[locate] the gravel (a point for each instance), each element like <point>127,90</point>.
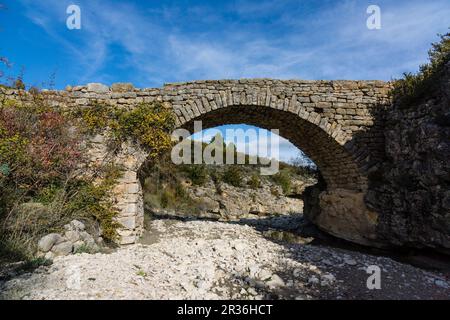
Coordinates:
<point>215,260</point>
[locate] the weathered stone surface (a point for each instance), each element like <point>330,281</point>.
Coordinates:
<point>412,190</point>
<point>72,236</point>
<point>97,88</point>
<point>75,225</point>
<point>122,87</point>
<point>48,241</point>
<point>343,213</point>
<point>62,249</point>
<point>128,222</point>
<point>78,245</point>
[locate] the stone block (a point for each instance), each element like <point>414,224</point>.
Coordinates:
<point>97,87</point>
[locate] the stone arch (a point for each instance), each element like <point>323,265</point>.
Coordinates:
<point>330,120</point>
<point>334,122</point>
<point>337,165</point>
<point>340,209</point>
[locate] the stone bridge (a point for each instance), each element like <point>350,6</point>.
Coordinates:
<point>336,123</point>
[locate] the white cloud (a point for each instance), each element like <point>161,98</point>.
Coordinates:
<point>160,46</point>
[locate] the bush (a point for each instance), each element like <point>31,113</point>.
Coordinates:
<point>197,173</point>
<point>149,124</point>
<point>413,87</point>
<point>233,176</point>
<point>283,179</point>
<point>166,199</point>
<point>42,167</point>
<point>254,182</point>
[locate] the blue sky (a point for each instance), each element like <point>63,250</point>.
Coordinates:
<point>150,43</point>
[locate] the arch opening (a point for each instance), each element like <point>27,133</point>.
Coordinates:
<point>338,168</point>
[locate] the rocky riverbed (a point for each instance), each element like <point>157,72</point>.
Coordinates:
<point>217,260</point>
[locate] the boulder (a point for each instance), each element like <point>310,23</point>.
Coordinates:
<point>72,236</point>
<point>47,242</point>
<point>75,225</point>
<point>89,240</point>
<point>62,249</point>
<point>49,255</point>
<point>275,281</point>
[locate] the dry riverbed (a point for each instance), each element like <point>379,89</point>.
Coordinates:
<point>216,260</point>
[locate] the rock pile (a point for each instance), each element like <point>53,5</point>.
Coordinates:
<point>74,240</point>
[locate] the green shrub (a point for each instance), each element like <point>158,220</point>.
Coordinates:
<point>42,165</point>
<point>84,248</point>
<point>167,198</point>
<point>91,200</point>
<point>283,179</point>
<point>149,124</point>
<point>197,173</point>
<point>233,176</point>
<point>254,182</point>
<point>412,87</point>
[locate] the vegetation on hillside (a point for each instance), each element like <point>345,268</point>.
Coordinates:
<point>414,86</point>
<point>166,183</point>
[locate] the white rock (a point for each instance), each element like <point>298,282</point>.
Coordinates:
<point>47,242</point>
<point>72,236</point>
<point>87,238</point>
<point>254,271</point>
<point>122,87</point>
<point>275,281</point>
<point>77,225</point>
<point>49,255</point>
<point>77,245</point>
<point>252,291</point>
<point>329,277</point>
<point>97,88</point>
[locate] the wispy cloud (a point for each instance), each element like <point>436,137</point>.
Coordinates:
<point>275,39</point>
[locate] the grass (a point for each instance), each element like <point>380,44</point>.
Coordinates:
<point>84,248</point>
<point>141,273</point>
